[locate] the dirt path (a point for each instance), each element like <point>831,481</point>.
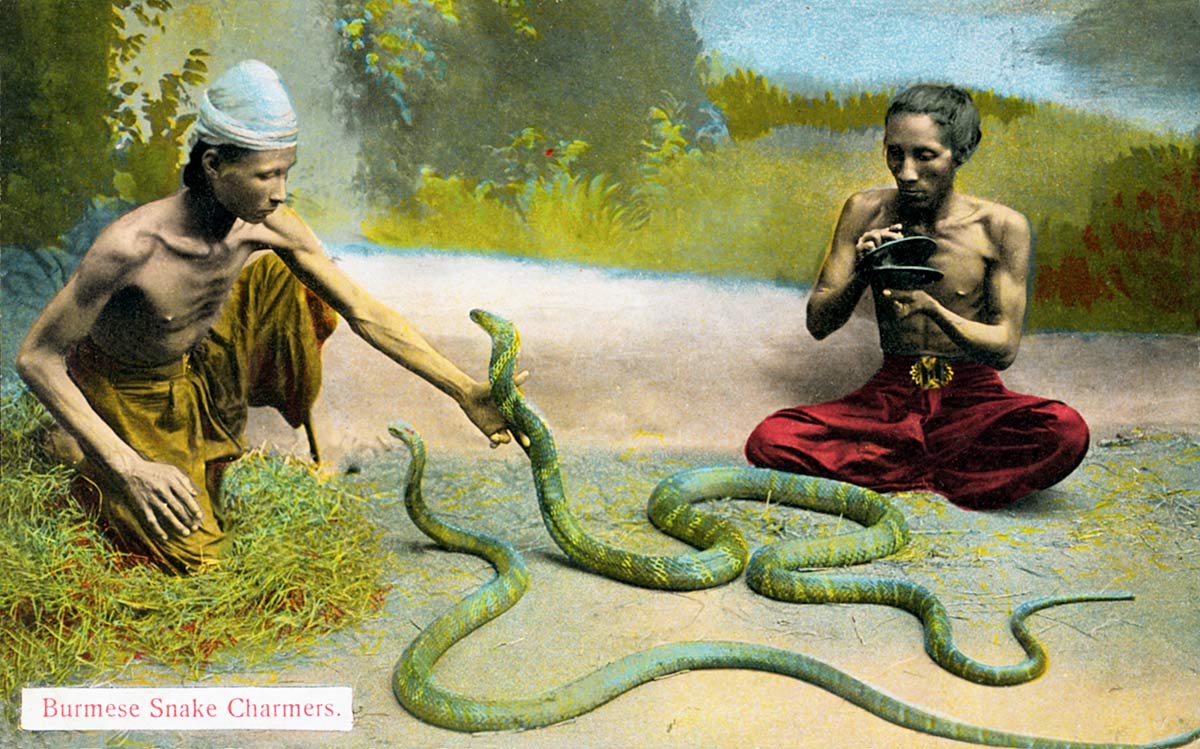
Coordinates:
<point>687,364</point>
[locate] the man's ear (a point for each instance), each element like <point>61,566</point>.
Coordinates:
<point>211,161</point>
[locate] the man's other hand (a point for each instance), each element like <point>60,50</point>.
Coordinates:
<point>165,496</point>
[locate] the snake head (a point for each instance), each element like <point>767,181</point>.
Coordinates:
<point>501,330</point>
<point>489,321</point>
<point>506,343</point>
<point>409,436</point>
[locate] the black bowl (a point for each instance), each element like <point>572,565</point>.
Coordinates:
<point>903,276</point>
<point>906,252</point>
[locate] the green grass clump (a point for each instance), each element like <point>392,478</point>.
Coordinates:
<point>760,210</point>
<point>306,560</point>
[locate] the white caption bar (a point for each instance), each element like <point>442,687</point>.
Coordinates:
<point>187,708</point>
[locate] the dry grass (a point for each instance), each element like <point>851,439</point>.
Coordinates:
<point>306,560</point>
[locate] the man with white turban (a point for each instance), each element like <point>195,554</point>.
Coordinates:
<point>173,324</point>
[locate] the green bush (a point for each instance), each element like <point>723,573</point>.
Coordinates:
<point>55,100</point>
<point>452,213</point>
<point>445,88</point>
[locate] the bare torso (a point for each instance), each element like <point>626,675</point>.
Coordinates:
<point>153,284</point>
<point>969,247</point>
<point>171,300</point>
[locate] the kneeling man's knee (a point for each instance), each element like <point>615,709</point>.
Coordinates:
<point>1073,433</point>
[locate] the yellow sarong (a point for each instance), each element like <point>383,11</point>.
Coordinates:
<point>264,351</point>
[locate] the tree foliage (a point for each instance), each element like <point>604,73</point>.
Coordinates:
<point>449,86</point>
<point>71,129</point>
<point>149,137</point>
<point>55,102</point>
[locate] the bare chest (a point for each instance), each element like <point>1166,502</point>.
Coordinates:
<point>966,254</point>
<point>965,263</point>
<point>169,304</point>
<point>178,288</point>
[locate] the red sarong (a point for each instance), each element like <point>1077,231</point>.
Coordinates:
<point>974,441</point>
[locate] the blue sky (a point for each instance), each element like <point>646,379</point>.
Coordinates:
<point>853,44</point>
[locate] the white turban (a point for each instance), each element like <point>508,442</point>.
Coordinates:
<point>248,106</point>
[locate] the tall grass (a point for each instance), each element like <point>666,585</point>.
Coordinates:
<point>452,213</point>
<point>761,210</point>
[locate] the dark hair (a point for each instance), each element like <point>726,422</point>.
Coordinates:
<point>950,107</point>
<point>193,170</point>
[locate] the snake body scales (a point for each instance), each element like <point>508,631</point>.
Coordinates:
<point>777,571</point>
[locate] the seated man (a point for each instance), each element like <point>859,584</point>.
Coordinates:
<point>169,330</point>
<point>936,416</point>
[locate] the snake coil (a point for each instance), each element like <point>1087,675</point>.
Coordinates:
<point>777,571</point>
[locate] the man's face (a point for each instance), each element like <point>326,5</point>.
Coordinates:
<point>922,165</point>
<point>253,186</point>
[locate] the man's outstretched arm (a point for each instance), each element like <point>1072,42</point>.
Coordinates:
<point>382,327</point>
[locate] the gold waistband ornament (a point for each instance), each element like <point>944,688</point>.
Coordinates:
<point>931,372</point>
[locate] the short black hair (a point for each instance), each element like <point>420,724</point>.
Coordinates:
<point>950,107</point>
<point>193,170</point>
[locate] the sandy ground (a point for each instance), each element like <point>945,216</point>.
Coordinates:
<point>639,375</point>
<point>689,364</point>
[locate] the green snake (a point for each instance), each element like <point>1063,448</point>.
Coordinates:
<point>777,571</point>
